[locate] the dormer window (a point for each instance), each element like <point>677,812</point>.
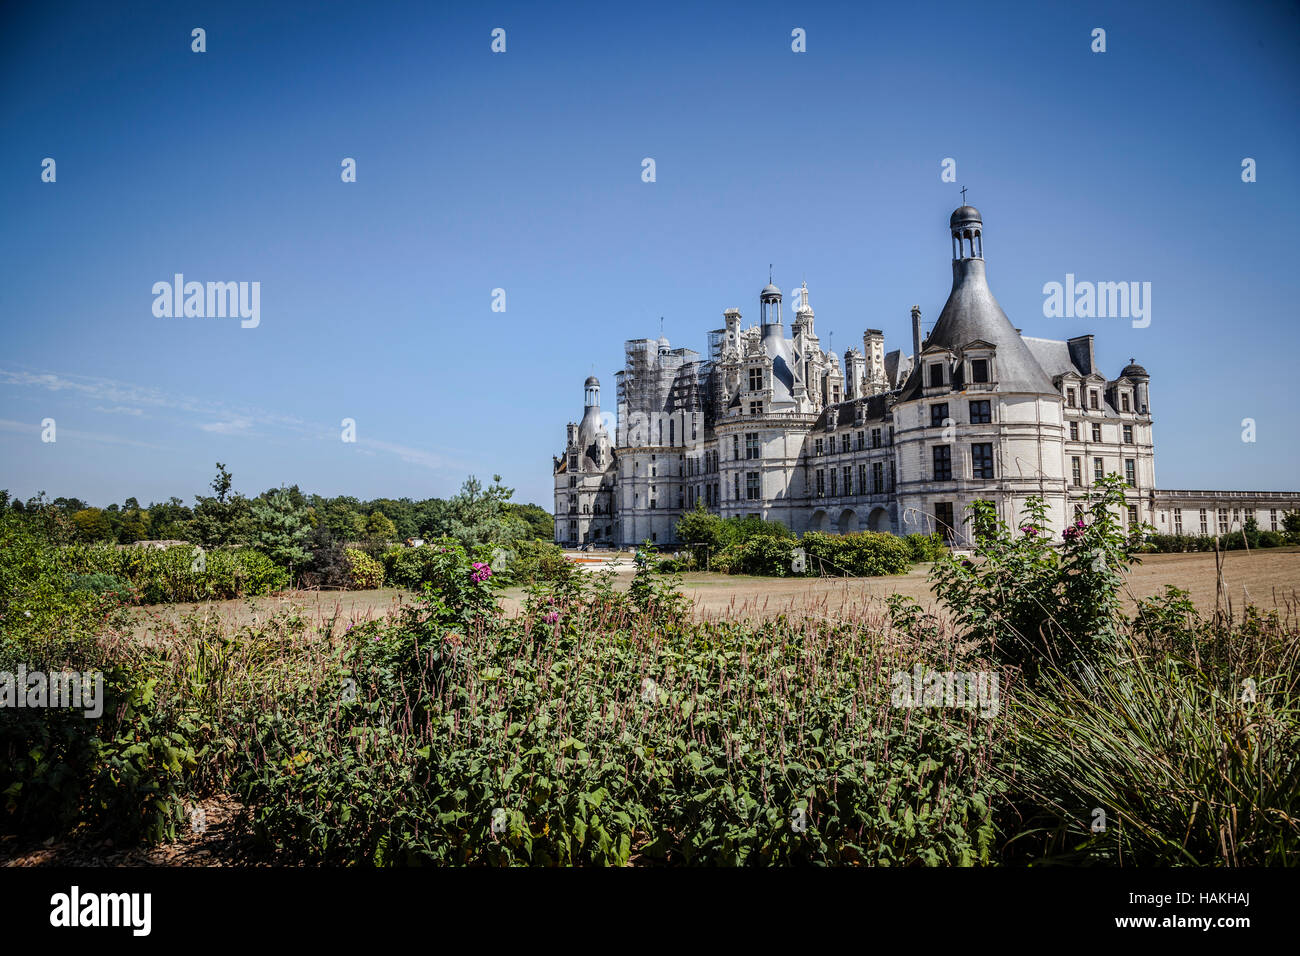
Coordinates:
<point>936,374</point>
<point>755,379</point>
<point>1071,399</point>
<point>979,370</point>
<point>1123,401</point>
<point>1094,401</point>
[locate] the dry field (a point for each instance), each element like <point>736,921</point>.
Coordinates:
<point>1267,578</point>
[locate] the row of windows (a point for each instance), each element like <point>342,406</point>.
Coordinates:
<point>1099,471</point>
<point>981,458</point>
<point>1223,525</point>
<point>981,413</point>
<point>827,446</point>
<point>1094,400</point>
<point>841,480</point>
<point>979,373</point>
<point>1096,432</point>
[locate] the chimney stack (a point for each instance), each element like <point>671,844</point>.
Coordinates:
<point>916,334</point>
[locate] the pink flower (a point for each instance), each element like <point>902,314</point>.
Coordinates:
<point>481,572</point>
<point>552,617</point>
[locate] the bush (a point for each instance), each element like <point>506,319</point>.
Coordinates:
<point>1271,539</point>
<point>533,562</point>
<point>764,554</point>
<point>926,547</point>
<point>860,554</point>
<point>100,583</point>
<point>364,572</point>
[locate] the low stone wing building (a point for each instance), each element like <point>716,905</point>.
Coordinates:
<point>773,425</point>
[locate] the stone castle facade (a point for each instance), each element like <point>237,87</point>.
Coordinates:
<point>773,425</point>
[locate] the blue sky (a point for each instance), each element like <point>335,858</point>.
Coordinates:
<point>522,171</point>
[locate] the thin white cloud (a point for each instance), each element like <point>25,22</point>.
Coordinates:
<point>63,434</point>
<point>238,426</point>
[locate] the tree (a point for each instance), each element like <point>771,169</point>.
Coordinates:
<point>379,528</point>
<point>478,517</point>
<point>1291,525</point>
<point>281,529</point>
<point>223,519</point>
<point>92,525</point>
<point>701,531</point>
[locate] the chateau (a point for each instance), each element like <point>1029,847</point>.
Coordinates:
<point>770,424</point>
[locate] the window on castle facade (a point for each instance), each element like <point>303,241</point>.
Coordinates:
<point>834,483</point>
<point>937,414</point>
<point>981,413</point>
<point>1076,471</point>
<point>1128,434</point>
<point>979,370</point>
<point>1071,400</point>
<point>942,457</point>
<point>1223,521</point>
<point>821,482</point>
<point>755,379</point>
<point>1096,432</point>
<point>1204,525</point>
<point>943,519</point>
<point>736,489</point>
<point>1130,472</point>
<point>818,446</point>
<point>1272,519</point>
<point>672,431</point>
<point>735,447</point>
<point>1078,512</point>
<point>936,375</point>
<point>1178,521</point>
<point>756,408</point>
<point>862,479</point>
<point>1132,517</point>
<point>862,441</point>
<point>751,485</point>
<point>878,478</point>
<point>752,448</point>
<point>1123,401</point>
<point>875,438</point>
<point>981,458</point>
<point>1074,431</point>
<point>1098,469</point>
<point>844,442</point>
<point>1093,399</point>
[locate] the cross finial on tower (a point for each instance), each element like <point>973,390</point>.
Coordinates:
<point>963,195</point>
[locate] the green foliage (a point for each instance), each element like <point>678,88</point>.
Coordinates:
<point>364,572</point>
<point>178,573</point>
<point>281,528</point>
<point>862,553</point>
<point>926,547</point>
<point>1029,602</point>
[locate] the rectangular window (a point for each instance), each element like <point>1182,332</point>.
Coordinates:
<point>752,448</point>
<point>1093,399</point>
<point>1132,518</point>
<point>1204,526</point>
<point>1128,434</point>
<point>981,457</point>
<point>1272,519</point>
<point>1130,472</point>
<point>1123,401</point>
<point>981,413</point>
<point>942,462</point>
<point>936,375</point>
<point>821,482</point>
<point>862,440</point>
<point>848,479</point>
<point>943,519</point>
<point>1098,470</point>
<point>834,483</point>
<point>878,478</point>
<point>1096,432</point>
<point>979,370</point>
<point>756,408</point>
<point>862,479</point>
<point>1223,521</point>
<point>937,414</point>
<point>755,379</point>
<point>1076,471</point>
<point>1074,431</point>
<point>1178,521</point>
<point>735,447</point>
<point>1070,400</point>
<point>751,485</point>
<point>844,442</point>
<point>818,446</point>
<point>875,438</point>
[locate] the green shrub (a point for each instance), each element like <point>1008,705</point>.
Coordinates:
<point>862,553</point>
<point>926,547</point>
<point>763,554</point>
<point>364,572</point>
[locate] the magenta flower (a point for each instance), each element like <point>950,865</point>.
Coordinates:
<point>552,617</point>
<point>481,572</point>
<point>1029,530</point>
